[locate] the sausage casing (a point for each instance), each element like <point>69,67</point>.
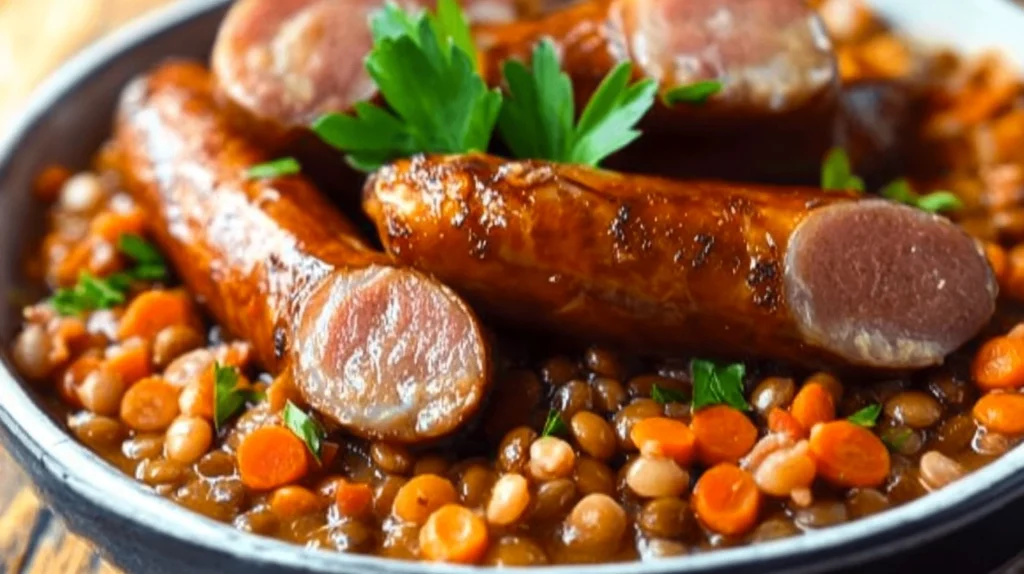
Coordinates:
<point>383,350</point>
<point>671,267</point>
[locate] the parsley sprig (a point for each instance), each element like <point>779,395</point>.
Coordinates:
<point>228,397</point>
<point>867,416</point>
<point>836,173</point>
<point>91,293</point>
<point>715,384</point>
<point>536,119</point>
<point>274,168</point>
<point>696,93</point>
<point>424,68</point>
<point>305,427</point>
<point>901,191</point>
<point>554,424</point>
<point>665,395</point>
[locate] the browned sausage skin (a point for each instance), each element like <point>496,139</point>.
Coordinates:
<point>385,351</point>
<point>671,267</point>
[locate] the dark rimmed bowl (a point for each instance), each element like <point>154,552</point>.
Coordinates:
<point>142,532</point>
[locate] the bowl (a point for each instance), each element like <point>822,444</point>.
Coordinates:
<point>140,531</point>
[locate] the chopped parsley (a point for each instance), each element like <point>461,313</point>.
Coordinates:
<point>228,398</point>
<point>896,438</point>
<point>424,69</point>
<point>554,424</point>
<point>836,173</point>
<point>536,118</point>
<point>867,416</point>
<point>305,427</point>
<point>696,93</point>
<point>718,384</point>
<point>901,191</point>
<point>276,168</point>
<point>665,395</point>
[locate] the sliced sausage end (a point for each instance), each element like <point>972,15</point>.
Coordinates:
<point>390,354</point>
<point>887,286</point>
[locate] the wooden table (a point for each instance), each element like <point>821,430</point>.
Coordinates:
<point>35,37</point>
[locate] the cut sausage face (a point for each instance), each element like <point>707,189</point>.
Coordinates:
<point>882,284</point>
<point>392,352</point>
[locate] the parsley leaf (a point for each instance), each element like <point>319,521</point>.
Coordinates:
<point>896,438</point>
<point>901,191</point>
<point>437,101</point>
<point>665,395</point>
<point>149,264</point>
<point>276,168</point>
<point>836,173</point>
<point>695,94</point>
<point>305,427</point>
<point>536,118</point>
<point>228,399</point>
<point>91,293</point>
<point>867,416</point>
<point>718,384</point>
<point>554,424</point>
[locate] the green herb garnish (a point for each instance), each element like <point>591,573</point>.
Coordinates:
<point>665,395</point>
<point>836,173</point>
<point>718,384</point>
<point>276,168</point>
<point>536,118</point>
<point>867,416</point>
<point>149,264</point>
<point>554,424</point>
<point>696,93</point>
<point>228,399</point>
<point>897,438</point>
<point>424,69</point>
<point>901,191</point>
<point>305,427</point>
<point>90,293</point>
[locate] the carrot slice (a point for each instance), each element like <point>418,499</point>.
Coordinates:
<point>997,260</point>
<point>849,455</point>
<point>726,499</point>
<point>813,405</point>
<point>421,496</point>
<point>662,436</point>
<point>780,421</point>
<point>151,311</point>
<point>150,405</point>
<point>1002,413</point>
<point>722,434</point>
<point>353,498</point>
<point>281,391</point>
<point>454,534</point>
<point>270,457</point>
<point>131,360</point>
<point>110,225</point>
<point>999,364</point>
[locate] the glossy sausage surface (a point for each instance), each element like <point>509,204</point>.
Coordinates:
<point>383,350</point>
<point>671,267</point>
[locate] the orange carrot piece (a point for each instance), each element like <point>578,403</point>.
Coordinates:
<point>997,259</point>
<point>291,502</point>
<point>722,434</point>
<point>726,499</point>
<point>151,311</point>
<point>353,498</point>
<point>454,534</point>
<point>110,225</point>
<point>328,452</point>
<point>813,405</point>
<point>1001,413</point>
<point>421,496</point>
<point>131,360</point>
<point>150,405</point>
<point>281,391</point>
<point>270,457</point>
<point>662,436</point>
<point>780,421</point>
<point>999,364</point>
<point>849,455</point>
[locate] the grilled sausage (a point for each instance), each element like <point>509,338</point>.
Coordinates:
<point>774,117</point>
<point>383,350</point>
<point>675,267</point>
<point>283,63</point>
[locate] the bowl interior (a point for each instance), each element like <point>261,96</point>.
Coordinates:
<point>68,120</point>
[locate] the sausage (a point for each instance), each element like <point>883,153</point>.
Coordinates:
<point>385,351</point>
<point>879,122</point>
<point>676,267</point>
<point>775,116</point>
<point>281,64</point>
